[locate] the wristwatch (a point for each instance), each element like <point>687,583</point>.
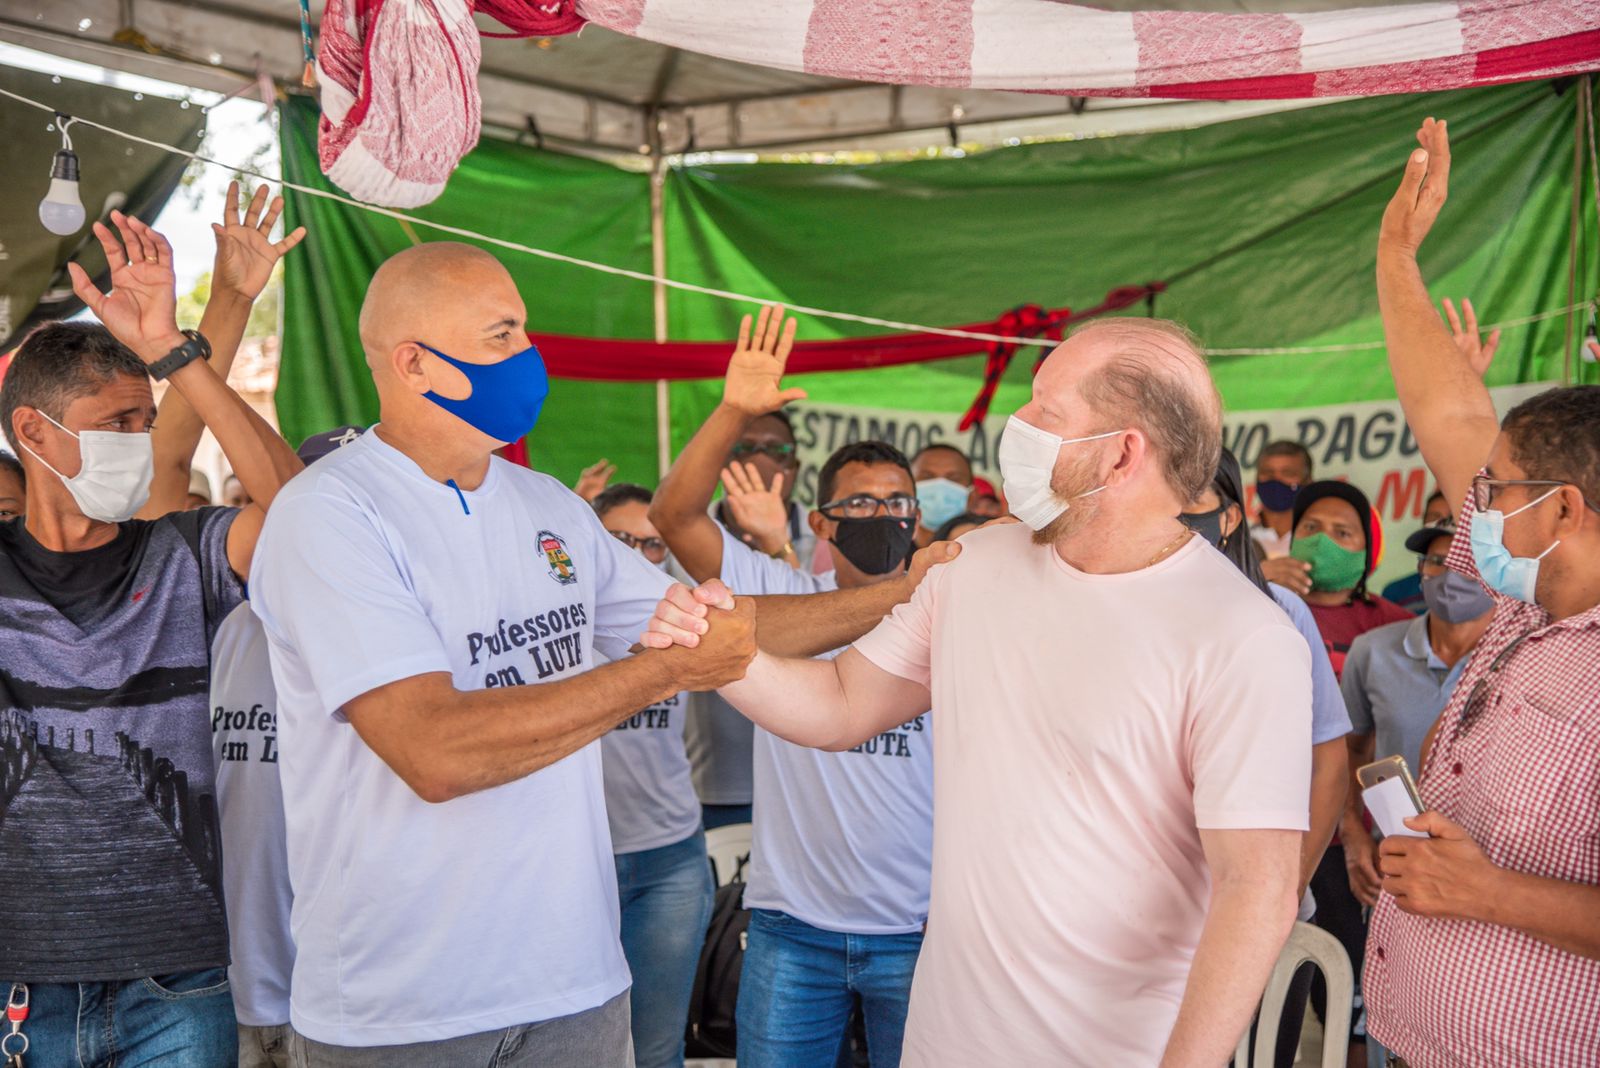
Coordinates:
<point>788,548</point>
<point>195,348</point>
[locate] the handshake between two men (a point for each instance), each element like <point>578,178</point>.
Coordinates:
<point>711,635</point>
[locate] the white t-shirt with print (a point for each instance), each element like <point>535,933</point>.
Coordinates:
<point>417,922</point>
<point>255,871</point>
<point>650,798</point>
<point>843,841</point>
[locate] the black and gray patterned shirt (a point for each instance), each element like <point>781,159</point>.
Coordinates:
<point>109,845</point>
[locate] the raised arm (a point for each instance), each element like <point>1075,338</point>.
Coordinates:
<point>140,312</point>
<point>752,388</point>
<point>1443,397</point>
<point>445,743</point>
<point>1253,877</point>
<point>245,258</point>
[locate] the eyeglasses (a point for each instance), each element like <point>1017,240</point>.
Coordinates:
<point>778,450</point>
<point>644,545</point>
<point>864,506</point>
<point>1436,559</point>
<point>1478,699</point>
<point>1483,488</point>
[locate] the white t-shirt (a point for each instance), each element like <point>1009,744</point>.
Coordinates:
<point>255,871</point>
<point>843,841</point>
<point>416,922</point>
<point>650,799</point>
<point>1270,542</point>
<point>1087,727</point>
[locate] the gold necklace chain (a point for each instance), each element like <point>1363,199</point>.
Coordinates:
<point>1183,536</point>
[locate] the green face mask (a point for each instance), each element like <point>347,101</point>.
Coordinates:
<point>1333,567</point>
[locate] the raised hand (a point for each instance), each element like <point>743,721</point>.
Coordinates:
<point>1478,352</point>
<point>141,309</point>
<point>760,511</point>
<point>753,385</point>
<point>1423,190</point>
<point>594,479</point>
<point>246,254</point>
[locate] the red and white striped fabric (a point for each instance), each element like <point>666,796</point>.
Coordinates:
<point>1057,47</point>
<point>400,103</point>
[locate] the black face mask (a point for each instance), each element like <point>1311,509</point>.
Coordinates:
<point>875,546</point>
<point>1206,524</point>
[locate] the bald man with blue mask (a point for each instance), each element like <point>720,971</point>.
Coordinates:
<point>450,637</point>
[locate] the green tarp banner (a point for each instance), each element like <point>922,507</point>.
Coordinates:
<point>1264,229</point>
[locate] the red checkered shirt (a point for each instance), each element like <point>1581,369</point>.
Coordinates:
<point>1523,780</point>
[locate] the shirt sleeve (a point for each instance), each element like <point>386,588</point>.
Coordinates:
<point>327,587</point>
<point>627,589</point>
<point>902,644</point>
<point>206,532</point>
<point>1329,719</point>
<point>752,573</point>
<point>1250,737</point>
<point>1354,685</point>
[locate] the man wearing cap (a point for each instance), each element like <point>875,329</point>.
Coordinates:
<point>255,867</point>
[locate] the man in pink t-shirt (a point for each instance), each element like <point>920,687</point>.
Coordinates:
<point>1122,752</point>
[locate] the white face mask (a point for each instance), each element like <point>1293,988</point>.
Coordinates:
<point>1027,462</point>
<point>114,481</point>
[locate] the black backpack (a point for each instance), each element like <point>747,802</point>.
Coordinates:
<point>712,1031</point>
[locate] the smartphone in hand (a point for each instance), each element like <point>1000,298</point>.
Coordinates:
<point>1390,794</point>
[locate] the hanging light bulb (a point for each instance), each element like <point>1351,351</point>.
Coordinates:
<point>61,210</point>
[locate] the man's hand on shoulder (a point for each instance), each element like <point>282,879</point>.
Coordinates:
<point>755,372</point>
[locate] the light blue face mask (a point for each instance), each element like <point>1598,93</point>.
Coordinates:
<point>941,500</point>
<point>1512,576</point>
<point>506,397</point>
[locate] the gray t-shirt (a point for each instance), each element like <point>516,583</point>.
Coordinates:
<point>1394,684</point>
<point>110,854</point>
<point>720,741</point>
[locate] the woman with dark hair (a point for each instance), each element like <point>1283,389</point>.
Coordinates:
<point>1218,516</point>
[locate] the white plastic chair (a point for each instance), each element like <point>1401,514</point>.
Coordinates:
<point>1306,944</point>
<point>728,847</point>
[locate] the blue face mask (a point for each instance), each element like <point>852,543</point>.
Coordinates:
<point>506,397</point>
<point>1512,576</point>
<point>941,500</point>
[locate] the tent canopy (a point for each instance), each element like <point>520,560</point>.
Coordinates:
<point>599,91</point>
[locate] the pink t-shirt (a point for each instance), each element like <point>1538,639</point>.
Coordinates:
<point>1085,727</point>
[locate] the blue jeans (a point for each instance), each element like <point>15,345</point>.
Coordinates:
<point>183,1020</point>
<point>666,903</point>
<point>800,983</point>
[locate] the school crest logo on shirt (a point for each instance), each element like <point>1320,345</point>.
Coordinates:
<point>555,552</point>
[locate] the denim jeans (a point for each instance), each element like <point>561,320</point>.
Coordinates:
<point>183,1020</point>
<point>666,903</point>
<point>800,983</point>
<point>264,1047</point>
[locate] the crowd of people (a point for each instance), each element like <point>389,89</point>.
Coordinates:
<point>405,755</point>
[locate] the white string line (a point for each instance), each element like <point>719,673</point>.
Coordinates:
<point>690,287</point>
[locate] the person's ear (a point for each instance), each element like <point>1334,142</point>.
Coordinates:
<point>821,526</point>
<point>1131,449</point>
<point>1570,511</point>
<point>421,372</point>
<point>1231,519</point>
<point>29,427</point>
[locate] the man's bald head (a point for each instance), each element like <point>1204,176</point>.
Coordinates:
<point>1149,375</point>
<point>419,292</point>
